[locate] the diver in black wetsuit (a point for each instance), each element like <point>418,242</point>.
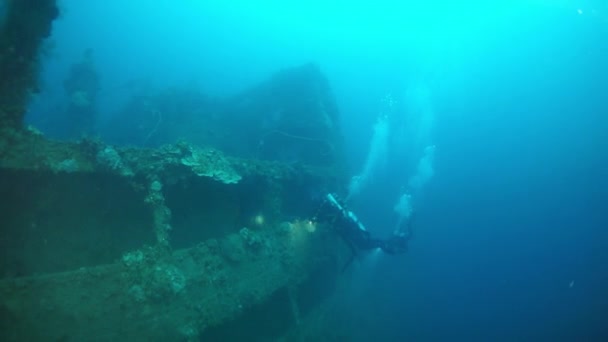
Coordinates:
<point>354,233</point>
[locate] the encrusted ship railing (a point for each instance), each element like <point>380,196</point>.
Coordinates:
<point>107,243</point>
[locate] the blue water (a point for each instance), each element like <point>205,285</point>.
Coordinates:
<point>512,226</point>
<point>3,10</point>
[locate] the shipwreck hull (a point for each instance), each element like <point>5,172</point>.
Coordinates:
<point>201,232</point>
<point>156,245</point>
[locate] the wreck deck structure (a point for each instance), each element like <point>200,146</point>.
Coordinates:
<point>206,237</point>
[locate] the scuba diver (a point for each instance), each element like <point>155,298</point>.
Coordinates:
<point>352,231</point>
<point>82,86</point>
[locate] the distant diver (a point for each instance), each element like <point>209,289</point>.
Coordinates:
<point>82,86</point>
<point>353,232</point>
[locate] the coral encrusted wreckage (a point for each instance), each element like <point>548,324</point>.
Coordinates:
<point>179,241</point>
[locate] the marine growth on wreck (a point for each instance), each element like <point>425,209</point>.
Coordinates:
<point>190,219</point>
<point>300,171</point>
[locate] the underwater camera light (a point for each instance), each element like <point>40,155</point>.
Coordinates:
<point>259,220</point>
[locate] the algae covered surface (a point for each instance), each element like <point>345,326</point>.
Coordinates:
<point>164,235</point>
